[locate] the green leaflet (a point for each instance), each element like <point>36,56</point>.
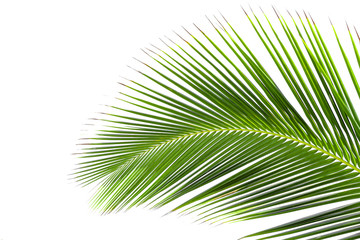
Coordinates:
<point>220,114</point>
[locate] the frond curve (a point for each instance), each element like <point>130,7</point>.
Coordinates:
<point>211,115</point>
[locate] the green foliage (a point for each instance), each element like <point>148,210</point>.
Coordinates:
<point>218,121</point>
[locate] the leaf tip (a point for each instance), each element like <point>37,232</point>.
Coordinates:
<point>330,21</point>
<point>223,17</point>
<point>357,34</point>
<point>289,13</point>
<point>244,10</point>
<point>275,11</point>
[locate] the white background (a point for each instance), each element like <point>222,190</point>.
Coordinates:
<point>59,60</point>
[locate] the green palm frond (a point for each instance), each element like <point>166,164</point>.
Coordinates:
<point>211,117</point>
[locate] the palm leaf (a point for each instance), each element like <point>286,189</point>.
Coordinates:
<point>211,117</point>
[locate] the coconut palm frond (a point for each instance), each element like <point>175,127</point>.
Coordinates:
<point>333,223</point>
<point>210,116</point>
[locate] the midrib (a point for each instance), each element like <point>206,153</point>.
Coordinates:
<point>268,133</point>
